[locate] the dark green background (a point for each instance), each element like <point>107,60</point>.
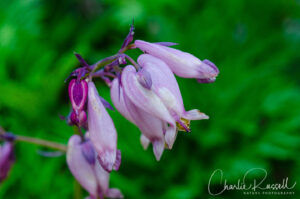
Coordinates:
<point>254,106</point>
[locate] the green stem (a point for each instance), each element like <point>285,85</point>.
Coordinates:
<point>37,141</point>
<point>42,142</point>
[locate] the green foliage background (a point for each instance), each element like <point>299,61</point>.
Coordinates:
<point>254,106</point>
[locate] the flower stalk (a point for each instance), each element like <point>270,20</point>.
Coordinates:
<point>37,141</point>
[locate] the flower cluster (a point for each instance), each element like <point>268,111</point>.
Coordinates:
<point>145,92</point>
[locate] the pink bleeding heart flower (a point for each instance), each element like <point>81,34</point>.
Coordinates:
<point>181,63</point>
<point>81,159</point>
<point>7,159</point>
<point>78,90</point>
<point>102,131</point>
<point>166,87</point>
<point>162,100</point>
<point>148,101</point>
<point>152,128</point>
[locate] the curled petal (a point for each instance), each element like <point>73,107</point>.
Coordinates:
<point>101,129</point>
<point>195,114</point>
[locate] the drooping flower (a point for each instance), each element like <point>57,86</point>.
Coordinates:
<point>181,63</point>
<point>152,128</point>
<point>148,101</point>
<point>81,159</point>
<point>102,131</point>
<point>151,99</point>
<point>7,158</point>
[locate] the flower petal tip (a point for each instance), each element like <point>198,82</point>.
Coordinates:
<point>114,193</point>
<point>158,148</point>
<point>106,161</point>
<point>144,141</point>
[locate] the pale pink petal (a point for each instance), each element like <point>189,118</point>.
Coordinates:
<point>195,114</point>
<point>117,98</point>
<point>144,141</point>
<point>80,168</point>
<point>143,98</point>
<point>170,136</point>
<point>151,127</point>
<point>164,83</point>
<point>101,129</point>
<point>181,63</point>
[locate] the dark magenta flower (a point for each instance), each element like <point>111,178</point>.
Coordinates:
<point>78,90</point>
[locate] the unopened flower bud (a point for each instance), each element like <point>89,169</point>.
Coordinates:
<point>181,63</point>
<point>78,91</point>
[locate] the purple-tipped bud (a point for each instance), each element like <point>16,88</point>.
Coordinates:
<point>181,63</point>
<point>144,78</point>
<point>78,91</point>
<point>7,158</point>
